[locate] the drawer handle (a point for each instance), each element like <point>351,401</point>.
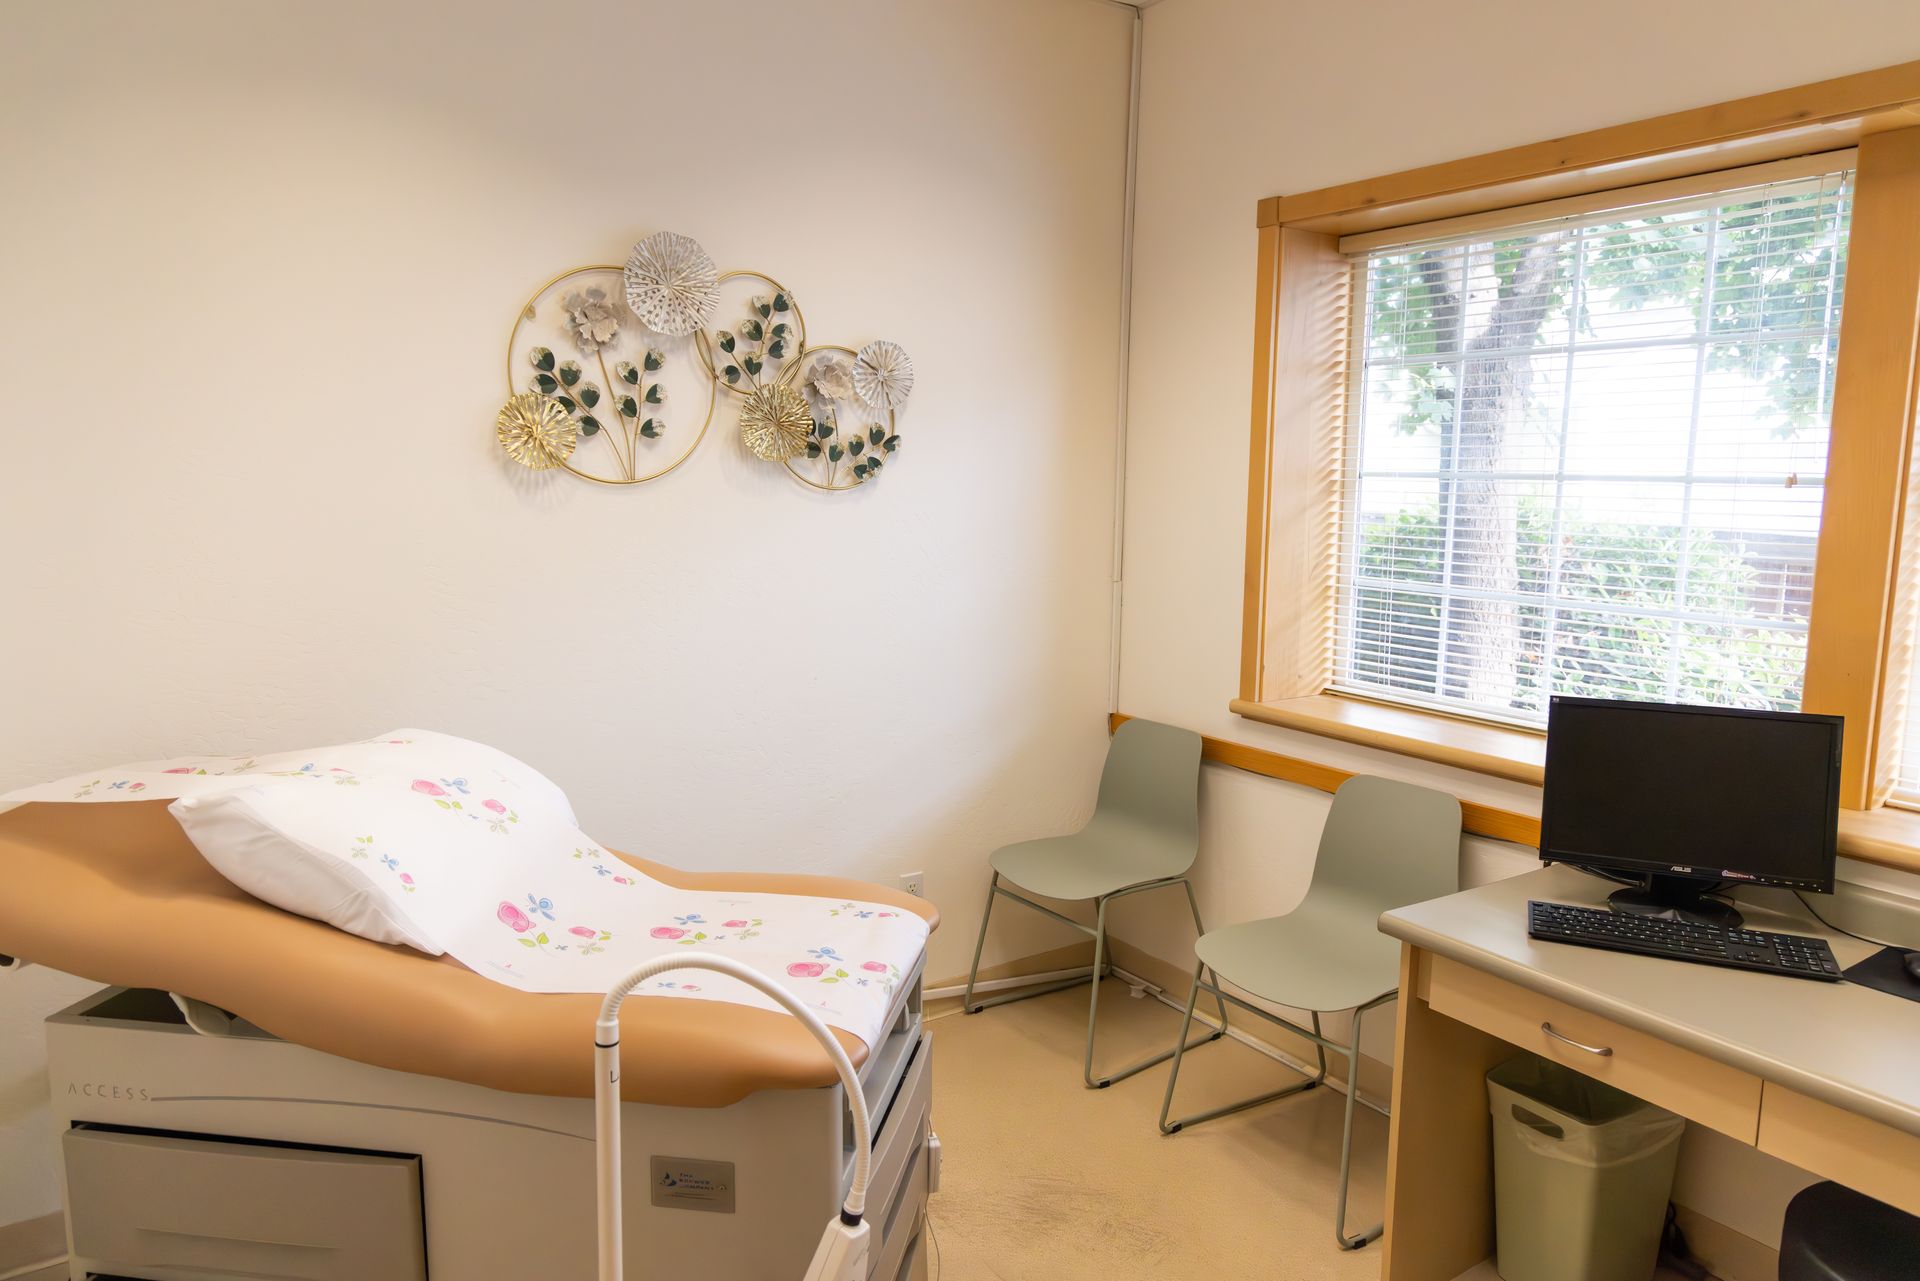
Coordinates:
<point>1604,1051</point>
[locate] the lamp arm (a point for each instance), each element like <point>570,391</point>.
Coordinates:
<point>842,1251</point>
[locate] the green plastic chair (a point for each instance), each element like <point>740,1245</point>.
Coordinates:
<point>1386,844</point>
<point>1144,835</point>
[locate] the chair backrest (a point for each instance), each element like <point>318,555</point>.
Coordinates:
<point>1387,844</point>
<point>1151,783</point>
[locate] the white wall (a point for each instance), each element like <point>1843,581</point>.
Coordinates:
<point>1244,99</point>
<point>259,264</point>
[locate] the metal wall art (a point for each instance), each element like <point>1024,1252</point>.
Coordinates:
<point>595,353</point>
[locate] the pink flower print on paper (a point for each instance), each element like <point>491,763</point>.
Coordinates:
<point>806,969</point>
<point>621,880</point>
<point>181,769</point>
<point>591,938</point>
<point>669,985</point>
<point>825,960</point>
<point>690,931</point>
<point>407,881</point>
<point>878,972</point>
<point>497,816</point>
<point>734,925</point>
<point>513,918</point>
<point>884,915</point>
<point>665,932</point>
<point>436,793</point>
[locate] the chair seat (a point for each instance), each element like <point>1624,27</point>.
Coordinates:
<point>1317,957</point>
<point>1090,863</point>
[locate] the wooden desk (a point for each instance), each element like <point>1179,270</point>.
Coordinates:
<point>1823,1075</point>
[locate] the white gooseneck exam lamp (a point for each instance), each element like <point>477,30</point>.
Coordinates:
<point>842,1254</point>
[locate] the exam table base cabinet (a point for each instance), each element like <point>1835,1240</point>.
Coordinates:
<point>189,1156</point>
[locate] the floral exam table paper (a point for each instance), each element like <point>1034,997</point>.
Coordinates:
<point>450,847</point>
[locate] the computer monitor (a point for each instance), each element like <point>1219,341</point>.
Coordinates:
<point>1688,799</point>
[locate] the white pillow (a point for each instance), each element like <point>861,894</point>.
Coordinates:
<point>394,859</point>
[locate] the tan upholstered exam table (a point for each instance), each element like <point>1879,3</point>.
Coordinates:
<point>374,1068</point>
<point>1823,1075</point>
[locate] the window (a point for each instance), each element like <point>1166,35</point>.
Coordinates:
<point>1588,455</point>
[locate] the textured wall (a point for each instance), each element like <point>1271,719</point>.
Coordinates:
<point>260,261</point>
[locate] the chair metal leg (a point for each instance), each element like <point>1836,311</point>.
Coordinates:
<point>1346,1146</point>
<point>993,892</point>
<point>1200,932</point>
<point>1213,1034</point>
<point>1093,1002</point>
<point>1180,1047</point>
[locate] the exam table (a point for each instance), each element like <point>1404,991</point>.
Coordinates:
<point>373,1112</point>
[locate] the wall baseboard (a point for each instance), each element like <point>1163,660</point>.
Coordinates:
<point>1074,956</point>
<point>1727,1252</point>
<point>33,1243</point>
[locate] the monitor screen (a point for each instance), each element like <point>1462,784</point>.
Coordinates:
<point>1704,792</point>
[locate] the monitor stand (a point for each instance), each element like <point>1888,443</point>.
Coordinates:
<point>1675,898</point>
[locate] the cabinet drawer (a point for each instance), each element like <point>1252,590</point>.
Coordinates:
<point>1843,1146</point>
<point>211,1207</point>
<point>1715,1095</point>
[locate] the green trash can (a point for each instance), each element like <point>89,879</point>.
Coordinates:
<point>1581,1175</point>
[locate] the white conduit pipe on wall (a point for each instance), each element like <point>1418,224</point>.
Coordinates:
<point>1117,588</point>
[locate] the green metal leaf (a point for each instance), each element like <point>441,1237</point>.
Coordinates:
<point>856,445</point>
<point>589,424</point>
<point>753,363</point>
<point>626,373</point>
<point>836,453</point>
<point>628,408</point>
<point>892,443</point>
<point>876,434</point>
<point>777,349</point>
<point>731,373</point>
<point>589,395</point>
<point>542,359</point>
<point>652,428</point>
<point>654,360</point>
<point>822,429</point>
<point>655,395</point>
<point>781,302</point>
<point>545,382</point>
<point>570,373</point>
<point>726,341</point>
<point>752,330</point>
<point>813,449</point>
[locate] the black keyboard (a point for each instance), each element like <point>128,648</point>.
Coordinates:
<point>1795,955</point>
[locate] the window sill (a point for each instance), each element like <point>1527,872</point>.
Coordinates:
<point>1888,836</point>
<point>1515,754</point>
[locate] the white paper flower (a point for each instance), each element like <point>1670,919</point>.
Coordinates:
<point>672,285</point>
<point>830,378</point>
<point>592,318</point>
<point>883,374</point>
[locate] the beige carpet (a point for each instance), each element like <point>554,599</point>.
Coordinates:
<point>1044,1179</point>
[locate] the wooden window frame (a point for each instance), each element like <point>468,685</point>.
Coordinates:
<point>1301,380</point>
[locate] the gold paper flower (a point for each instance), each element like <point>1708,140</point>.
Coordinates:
<point>535,431</point>
<point>775,423</point>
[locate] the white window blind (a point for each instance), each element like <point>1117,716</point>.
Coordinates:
<point>1587,456</point>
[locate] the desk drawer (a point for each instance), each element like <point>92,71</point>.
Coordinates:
<point>1843,1146</point>
<point>1699,1089</point>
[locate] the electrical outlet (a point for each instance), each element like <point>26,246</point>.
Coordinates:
<point>914,883</point>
